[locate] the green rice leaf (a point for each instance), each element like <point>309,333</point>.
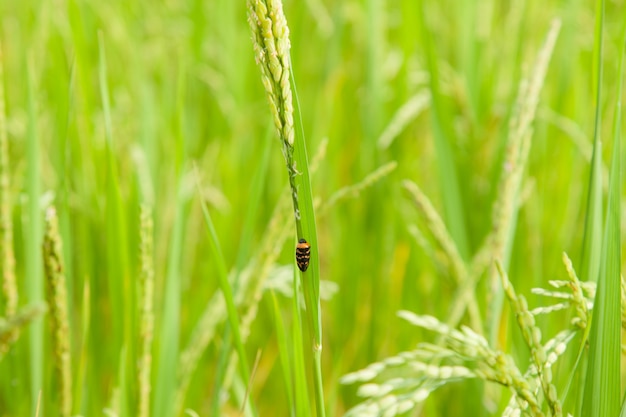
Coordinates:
<point>283,354</point>
<point>306,228</point>
<point>592,240</point>
<point>222,276</point>
<point>32,239</point>
<point>602,385</point>
<point>166,372</point>
<point>443,138</point>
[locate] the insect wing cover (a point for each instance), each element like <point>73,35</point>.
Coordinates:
<point>303,254</point>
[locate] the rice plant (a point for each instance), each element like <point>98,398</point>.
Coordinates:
<point>282,208</point>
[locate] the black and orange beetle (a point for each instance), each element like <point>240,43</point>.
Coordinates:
<point>303,254</point>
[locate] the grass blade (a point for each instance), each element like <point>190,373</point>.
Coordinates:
<point>243,255</point>
<point>121,292</point>
<point>506,207</point>
<point>306,228</point>
<point>33,227</point>
<point>254,199</point>
<point>303,407</point>
<point>272,51</point>
<point>222,276</point>
<point>592,239</point>
<point>163,400</point>
<point>283,354</point>
<point>602,385</point>
<point>592,234</point>
<point>169,343</point>
<point>443,137</point>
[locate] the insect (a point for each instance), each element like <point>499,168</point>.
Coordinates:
<point>303,254</point>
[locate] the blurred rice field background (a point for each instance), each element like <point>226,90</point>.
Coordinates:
<point>127,117</point>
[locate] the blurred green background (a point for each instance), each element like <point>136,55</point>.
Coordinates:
<point>184,90</point>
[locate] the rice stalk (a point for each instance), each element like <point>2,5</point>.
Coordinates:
<point>57,300</point>
<point>453,262</point>
<point>9,295</point>
<point>271,45</point>
<point>579,301</point>
<point>517,148</point>
<point>250,285</point>
<point>506,206</point>
<point>21,318</point>
<point>497,245</point>
<point>532,337</point>
<point>403,116</point>
<point>554,348</point>
<point>400,383</point>
<point>146,313</point>
<point>410,377</point>
<point>354,190</point>
<point>438,230</point>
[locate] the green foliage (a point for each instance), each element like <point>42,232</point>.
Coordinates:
<point>494,134</point>
<point>602,385</point>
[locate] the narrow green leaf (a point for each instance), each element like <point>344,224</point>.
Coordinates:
<point>253,201</point>
<point>121,292</point>
<point>283,355</point>
<point>592,239</point>
<point>169,342</point>
<point>243,256</point>
<point>162,404</point>
<point>303,407</point>
<point>602,386</point>
<point>468,51</point>
<point>122,383</point>
<point>34,233</point>
<point>222,276</point>
<point>306,228</point>
<point>444,137</point>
